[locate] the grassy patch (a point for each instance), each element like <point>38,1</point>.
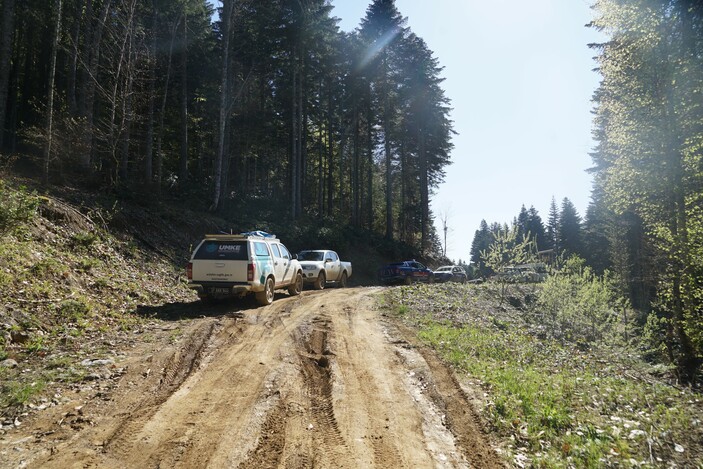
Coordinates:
<point>556,404</point>
<point>84,240</point>
<point>16,393</point>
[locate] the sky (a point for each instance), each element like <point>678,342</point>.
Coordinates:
<point>520,78</point>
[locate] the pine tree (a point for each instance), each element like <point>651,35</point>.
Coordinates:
<point>553,227</point>
<point>570,239</point>
<point>481,242</point>
<point>535,227</point>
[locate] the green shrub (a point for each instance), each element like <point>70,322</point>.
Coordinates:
<point>577,305</point>
<point>84,239</point>
<point>87,264</point>
<point>73,310</point>
<point>16,206</point>
<point>35,344</point>
<point>46,267</point>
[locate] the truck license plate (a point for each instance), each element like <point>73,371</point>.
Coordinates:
<point>219,291</point>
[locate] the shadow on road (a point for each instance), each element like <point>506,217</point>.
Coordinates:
<point>196,309</point>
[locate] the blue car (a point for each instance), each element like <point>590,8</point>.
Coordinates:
<point>406,272</point>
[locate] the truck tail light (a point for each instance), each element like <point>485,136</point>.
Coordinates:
<point>189,271</point>
<point>250,272</point>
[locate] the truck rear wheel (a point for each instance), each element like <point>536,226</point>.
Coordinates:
<point>320,281</point>
<point>266,297</point>
<point>297,286</point>
<point>343,280</point>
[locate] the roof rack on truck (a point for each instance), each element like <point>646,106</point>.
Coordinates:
<point>246,235</point>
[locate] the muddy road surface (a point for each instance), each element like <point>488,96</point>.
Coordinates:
<point>322,380</point>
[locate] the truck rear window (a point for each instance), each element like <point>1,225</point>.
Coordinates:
<point>225,250</point>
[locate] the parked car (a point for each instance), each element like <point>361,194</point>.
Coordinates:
<point>321,266</point>
<point>450,273</point>
<point>235,265</point>
<point>405,272</point>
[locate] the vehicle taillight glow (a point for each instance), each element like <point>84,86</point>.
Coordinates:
<point>189,271</point>
<point>250,272</point>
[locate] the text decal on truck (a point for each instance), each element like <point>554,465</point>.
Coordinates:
<point>213,250</point>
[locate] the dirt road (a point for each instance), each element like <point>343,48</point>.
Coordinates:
<point>322,380</point>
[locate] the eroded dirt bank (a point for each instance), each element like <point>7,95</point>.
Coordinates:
<point>322,380</point>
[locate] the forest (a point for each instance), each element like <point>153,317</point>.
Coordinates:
<point>643,228</point>
<point>267,105</point>
<point>260,103</point>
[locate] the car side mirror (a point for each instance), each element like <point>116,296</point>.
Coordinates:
<point>328,259</point>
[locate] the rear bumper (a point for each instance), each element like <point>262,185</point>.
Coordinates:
<point>222,288</point>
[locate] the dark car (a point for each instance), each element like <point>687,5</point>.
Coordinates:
<point>450,273</point>
<point>405,272</point>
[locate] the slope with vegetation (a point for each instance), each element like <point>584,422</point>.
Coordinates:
<point>72,287</point>
<point>561,389</point>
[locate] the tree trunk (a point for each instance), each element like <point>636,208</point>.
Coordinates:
<point>369,155</point>
<point>94,47</point>
<point>320,157</point>
<point>294,157</point>
<point>302,137</point>
<point>50,98</point>
<point>8,16</point>
<point>84,53</point>
<point>330,155</point>
<point>149,146</point>
<point>162,115</point>
<point>73,66</point>
<point>355,168</point>
<point>424,195</point>
<point>227,8</point>
<point>183,172</point>
<point>126,97</point>
<point>388,154</point>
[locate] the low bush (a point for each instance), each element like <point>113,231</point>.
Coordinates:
<point>576,305</point>
<point>16,207</point>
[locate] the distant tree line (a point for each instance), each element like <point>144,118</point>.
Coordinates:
<point>563,234</point>
<point>645,220</point>
<point>259,101</point>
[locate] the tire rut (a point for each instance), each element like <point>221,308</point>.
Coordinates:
<point>180,365</point>
<point>319,380</point>
<point>317,374</point>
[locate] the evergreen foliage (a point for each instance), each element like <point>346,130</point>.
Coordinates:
<point>647,164</point>
<point>269,104</point>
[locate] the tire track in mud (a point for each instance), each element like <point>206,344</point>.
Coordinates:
<point>180,365</point>
<point>321,380</point>
<point>306,410</point>
<point>317,374</point>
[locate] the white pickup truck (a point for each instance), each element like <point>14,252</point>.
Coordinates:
<point>322,266</point>
<point>235,265</point>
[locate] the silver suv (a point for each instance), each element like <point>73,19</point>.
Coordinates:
<point>235,265</point>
